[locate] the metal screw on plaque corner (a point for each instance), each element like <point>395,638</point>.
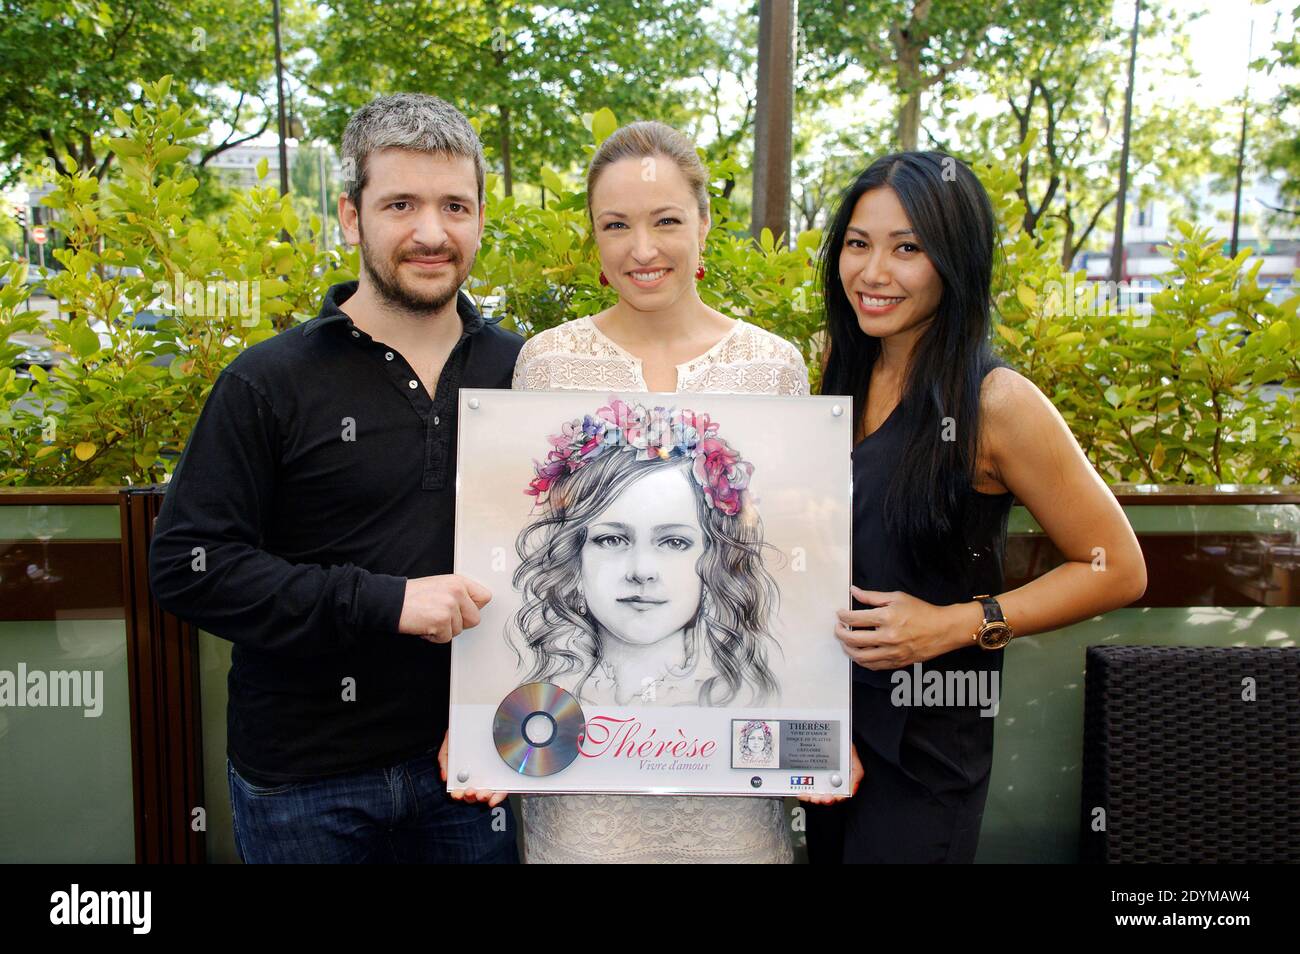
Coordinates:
<point>473,404</point>
<point>462,777</point>
<point>837,411</point>
<point>836,781</point>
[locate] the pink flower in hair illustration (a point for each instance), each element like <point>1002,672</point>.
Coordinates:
<point>718,469</point>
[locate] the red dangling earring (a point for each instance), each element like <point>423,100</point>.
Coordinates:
<point>603,279</point>
<point>699,272</point>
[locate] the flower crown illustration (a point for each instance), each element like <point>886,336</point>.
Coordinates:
<point>649,432</point>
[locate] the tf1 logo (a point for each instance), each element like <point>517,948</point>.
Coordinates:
<point>801,781</point>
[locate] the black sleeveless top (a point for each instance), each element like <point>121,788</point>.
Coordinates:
<point>879,562</point>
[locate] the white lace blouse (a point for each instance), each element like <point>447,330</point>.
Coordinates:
<point>578,355</point>
<point>657,828</point>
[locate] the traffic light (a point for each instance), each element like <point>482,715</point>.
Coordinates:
<point>21,217</point>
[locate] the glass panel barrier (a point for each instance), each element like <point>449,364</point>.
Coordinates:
<point>214,667</point>
<point>65,714</point>
<point>1222,572</point>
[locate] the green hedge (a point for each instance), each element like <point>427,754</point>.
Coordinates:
<point>1172,397</point>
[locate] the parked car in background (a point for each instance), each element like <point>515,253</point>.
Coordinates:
<point>32,355</point>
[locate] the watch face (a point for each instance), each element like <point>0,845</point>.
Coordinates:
<point>995,635</point>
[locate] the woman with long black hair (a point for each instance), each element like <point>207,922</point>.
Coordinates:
<point>946,436</point>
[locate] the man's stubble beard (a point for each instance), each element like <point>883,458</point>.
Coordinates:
<point>389,288</point>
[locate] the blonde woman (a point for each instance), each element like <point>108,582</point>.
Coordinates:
<point>648,201</point>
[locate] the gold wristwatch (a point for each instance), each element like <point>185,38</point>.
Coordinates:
<point>994,632</point>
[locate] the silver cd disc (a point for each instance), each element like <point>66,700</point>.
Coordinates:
<point>538,729</point>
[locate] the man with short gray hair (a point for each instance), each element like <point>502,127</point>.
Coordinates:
<point>319,488</point>
<point>409,121</point>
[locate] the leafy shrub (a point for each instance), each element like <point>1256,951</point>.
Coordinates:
<point>1200,391</point>
<point>121,407</point>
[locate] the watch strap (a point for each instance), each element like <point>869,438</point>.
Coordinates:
<point>992,610</point>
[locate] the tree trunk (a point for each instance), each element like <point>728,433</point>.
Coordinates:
<point>909,112</point>
<point>1067,243</point>
<point>1117,246</point>
<point>507,174</point>
<point>774,119</point>
<point>507,170</point>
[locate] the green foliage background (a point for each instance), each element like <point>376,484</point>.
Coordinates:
<point>1202,390</point>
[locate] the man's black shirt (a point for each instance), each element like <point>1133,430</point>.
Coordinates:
<point>319,478</point>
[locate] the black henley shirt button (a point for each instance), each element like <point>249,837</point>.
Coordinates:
<point>388,356</point>
<point>413,384</point>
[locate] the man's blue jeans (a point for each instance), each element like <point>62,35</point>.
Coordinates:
<point>399,814</point>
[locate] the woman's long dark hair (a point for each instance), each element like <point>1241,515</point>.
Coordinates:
<point>953,220</point>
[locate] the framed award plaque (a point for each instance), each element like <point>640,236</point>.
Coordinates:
<point>665,571</point>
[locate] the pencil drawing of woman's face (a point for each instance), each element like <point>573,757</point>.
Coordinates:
<point>645,554</point>
<point>639,560</point>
